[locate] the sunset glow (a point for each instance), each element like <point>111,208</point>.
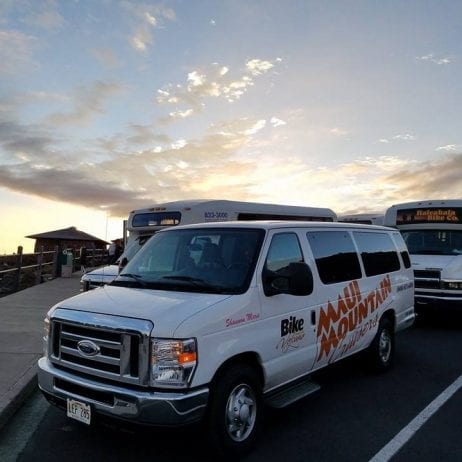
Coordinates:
<point>114,105</point>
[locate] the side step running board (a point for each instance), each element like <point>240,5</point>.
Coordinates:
<point>291,393</point>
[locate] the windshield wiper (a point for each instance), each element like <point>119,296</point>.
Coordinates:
<point>198,282</point>
<point>136,277</point>
<point>188,279</point>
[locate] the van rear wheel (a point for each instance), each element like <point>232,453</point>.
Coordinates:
<point>235,410</point>
<point>382,349</point>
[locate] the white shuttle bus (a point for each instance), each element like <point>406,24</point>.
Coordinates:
<point>143,223</point>
<point>432,231</point>
<point>363,218</point>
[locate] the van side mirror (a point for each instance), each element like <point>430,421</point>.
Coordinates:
<point>294,279</point>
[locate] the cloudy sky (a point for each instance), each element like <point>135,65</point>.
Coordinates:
<point>111,105</point>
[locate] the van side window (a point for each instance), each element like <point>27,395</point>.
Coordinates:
<point>377,252</point>
<point>284,249</point>
<point>399,241</point>
<point>335,255</point>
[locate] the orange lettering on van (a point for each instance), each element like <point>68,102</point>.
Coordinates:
<point>327,343</point>
<point>336,321</point>
<point>326,318</point>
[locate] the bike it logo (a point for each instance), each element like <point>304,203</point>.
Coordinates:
<point>292,333</point>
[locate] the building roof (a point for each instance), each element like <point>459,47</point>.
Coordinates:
<point>67,234</point>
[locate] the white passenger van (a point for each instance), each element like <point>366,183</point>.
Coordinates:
<point>143,223</point>
<point>209,321</point>
<point>432,231</point>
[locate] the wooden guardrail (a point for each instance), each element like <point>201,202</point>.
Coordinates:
<point>19,271</point>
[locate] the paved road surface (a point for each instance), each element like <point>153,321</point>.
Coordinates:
<point>351,418</point>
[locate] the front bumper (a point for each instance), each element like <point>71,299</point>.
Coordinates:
<point>142,407</point>
<point>437,300</point>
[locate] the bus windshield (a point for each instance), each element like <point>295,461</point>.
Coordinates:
<point>433,242</point>
<point>211,260</point>
<point>156,219</point>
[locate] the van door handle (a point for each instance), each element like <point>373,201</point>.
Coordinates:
<point>313,318</point>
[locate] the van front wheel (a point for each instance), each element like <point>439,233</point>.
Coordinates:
<point>382,349</point>
<point>235,410</point>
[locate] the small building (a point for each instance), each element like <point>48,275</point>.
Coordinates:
<point>67,238</point>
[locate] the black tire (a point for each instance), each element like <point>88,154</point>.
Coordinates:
<point>381,352</point>
<point>235,411</point>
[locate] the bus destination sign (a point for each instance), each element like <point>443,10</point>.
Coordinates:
<point>429,215</point>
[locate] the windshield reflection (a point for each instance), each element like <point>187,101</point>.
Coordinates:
<point>211,260</point>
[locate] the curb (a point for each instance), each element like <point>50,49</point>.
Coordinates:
<point>14,398</point>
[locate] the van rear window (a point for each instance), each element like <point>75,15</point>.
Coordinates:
<point>335,256</point>
<point>378,252</point>
<point>402,249</point>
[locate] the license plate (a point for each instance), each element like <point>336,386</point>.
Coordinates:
<point>79,411</point>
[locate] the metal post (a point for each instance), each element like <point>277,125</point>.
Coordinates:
<point>55,262</point>
<point>19,266</point>
<point>39,267</point>
<point>125,232</point>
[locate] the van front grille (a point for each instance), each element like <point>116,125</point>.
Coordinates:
<point>427,279</point>
<point>120,354</point>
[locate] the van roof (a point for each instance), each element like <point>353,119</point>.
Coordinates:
<point>277,224</point>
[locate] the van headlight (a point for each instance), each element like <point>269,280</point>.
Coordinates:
<point>46,334</point>
<point>84,285</point>
<point>173,362</point>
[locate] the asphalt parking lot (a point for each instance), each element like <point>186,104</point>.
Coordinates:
<point>356,416</point>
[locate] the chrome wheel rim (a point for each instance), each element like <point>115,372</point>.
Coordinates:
<point>241,413</point>
<point>384,346</point>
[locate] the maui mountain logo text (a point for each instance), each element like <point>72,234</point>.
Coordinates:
<point>350,313</point>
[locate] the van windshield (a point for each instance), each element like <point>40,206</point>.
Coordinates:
<point>209,260</point>
<point>433,242</point>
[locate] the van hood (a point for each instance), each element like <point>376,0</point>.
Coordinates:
<point>109,270</point>
<point>166,309</point>
<point>449,265</point>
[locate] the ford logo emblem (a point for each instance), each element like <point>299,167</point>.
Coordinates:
<point>87,348</point>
